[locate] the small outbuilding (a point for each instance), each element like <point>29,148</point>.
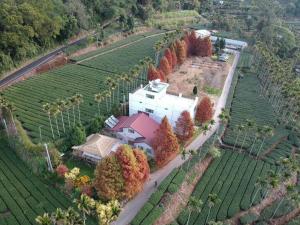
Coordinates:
<point>96,147</point>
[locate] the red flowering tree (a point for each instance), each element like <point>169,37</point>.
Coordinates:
<point>153,73</point>
<point>204,111</point>
<point>165,144</point>
<point>164,66</point>
<point>184,127</point>
<point>61,170</point>
<point>168,55</point>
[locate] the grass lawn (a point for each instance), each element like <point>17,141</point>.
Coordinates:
<point>85,168</point>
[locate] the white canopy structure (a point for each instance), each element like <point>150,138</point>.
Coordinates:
<point>97,147</point>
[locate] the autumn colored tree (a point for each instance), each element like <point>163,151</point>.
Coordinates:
<point>130,170</point>
<point>122,174</point>
<point>180,51</point>
<point>184,127</point>
<point>153,73</point>
<point>165,144</point>
<point>204,111</point>
<point>174,59</point>
<point>205,47</point>
<point>144,169</point>
<point>164,66</point>
<point>109,181</point>
<point>168,55</point>
<point>61,170</point>
<point>187,44</point>
<point>162,75</point>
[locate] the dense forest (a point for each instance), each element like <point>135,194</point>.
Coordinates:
<point>29,27</point>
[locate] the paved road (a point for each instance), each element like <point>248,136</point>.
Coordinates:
<point>44,59</point>
<point>133,206</point>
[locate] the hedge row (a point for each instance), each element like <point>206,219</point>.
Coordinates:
<point>142,214</point>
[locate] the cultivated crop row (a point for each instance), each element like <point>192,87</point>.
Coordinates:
<point>22,195</point>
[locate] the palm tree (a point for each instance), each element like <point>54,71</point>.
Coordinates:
<point>47,109</point>
<point>79,100</point>
<point>58,216</point>
<point>61,107</point>
<point>157,47</point>
<point>257,134</point>
<point>68,105</point>
<point>248,128</point>
<point>183,154</point>
<point>194,205</point>
<point>239,129</point>
<point>85,204</point>
<point>72,217</point>
<point>260,184</point>
<point>10,107</point>
<point>44,219</point>
<point>54,112</point>
<point>191,153</point>
<point>223,118</point>
<point>98,99</point>
<point>73,101</point>
<point>205,128</point>
<point>107,95</point>
<point>212,201</point>
<point>267,132</point>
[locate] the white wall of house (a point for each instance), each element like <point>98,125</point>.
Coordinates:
<point>147,148</point>
<point>161,104</point>
<point>128,134</point>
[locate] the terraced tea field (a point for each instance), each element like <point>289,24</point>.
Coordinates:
<point>24,196</point>
<point>87,78</point>
<point>232,177</point>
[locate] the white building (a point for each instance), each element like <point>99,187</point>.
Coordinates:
<point>154,100</point>
<point>137,130</point>
<point>202,34</point>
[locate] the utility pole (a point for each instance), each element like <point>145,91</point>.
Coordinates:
<point>50,168</point>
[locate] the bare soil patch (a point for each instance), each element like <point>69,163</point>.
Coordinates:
<point>200,72</point>
<point>176,202</point>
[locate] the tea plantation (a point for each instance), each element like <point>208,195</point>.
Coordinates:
<point>87,79</point>
<point>23,196</point>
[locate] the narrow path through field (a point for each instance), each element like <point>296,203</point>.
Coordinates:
<point>133,206</point>
<point>180,199</point>
<point>286,218</point>
<point>122,46</point>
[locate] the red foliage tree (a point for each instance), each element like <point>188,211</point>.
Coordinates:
<point>153,73</point>
<point>174,59</point>
<point>165,144</point>
<point>204,48</point>
<point>180,51</point>
<point>168,55</point>
<point>164,66</point>
<point>194,50</point>
<point>204,110</point>
<point>61,170</point>
<point>162,75</point>
<point>144,169</point>
<point>135,169</point>
<point>187,44</point>
<point>184,127</point>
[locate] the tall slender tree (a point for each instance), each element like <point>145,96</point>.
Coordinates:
<point>47,109</point>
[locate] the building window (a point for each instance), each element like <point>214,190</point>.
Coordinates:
<point>131,130</point>
<point>150,96</point>
<point>149,110</point>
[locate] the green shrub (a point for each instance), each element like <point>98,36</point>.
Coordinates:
<point>155,197</point>
<point>173,188</point>
<point>163,186</point>
<point>153,216</point>
<point>142,214</point>
<point>179,178</point>
<point>248,218</point>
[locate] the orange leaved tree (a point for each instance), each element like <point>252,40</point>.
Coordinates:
<point>184,127</point>
<point>174,59</point>
<point>109,181</point>
<point>168,55</point>
<point>204,111</point>
<point>180,51</point>
<point>153,74</point>
<point>164,66</point>
<point>121,175</point>
<point>165,144</point>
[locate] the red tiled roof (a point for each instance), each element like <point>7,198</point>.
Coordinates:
<point>141,123</point>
